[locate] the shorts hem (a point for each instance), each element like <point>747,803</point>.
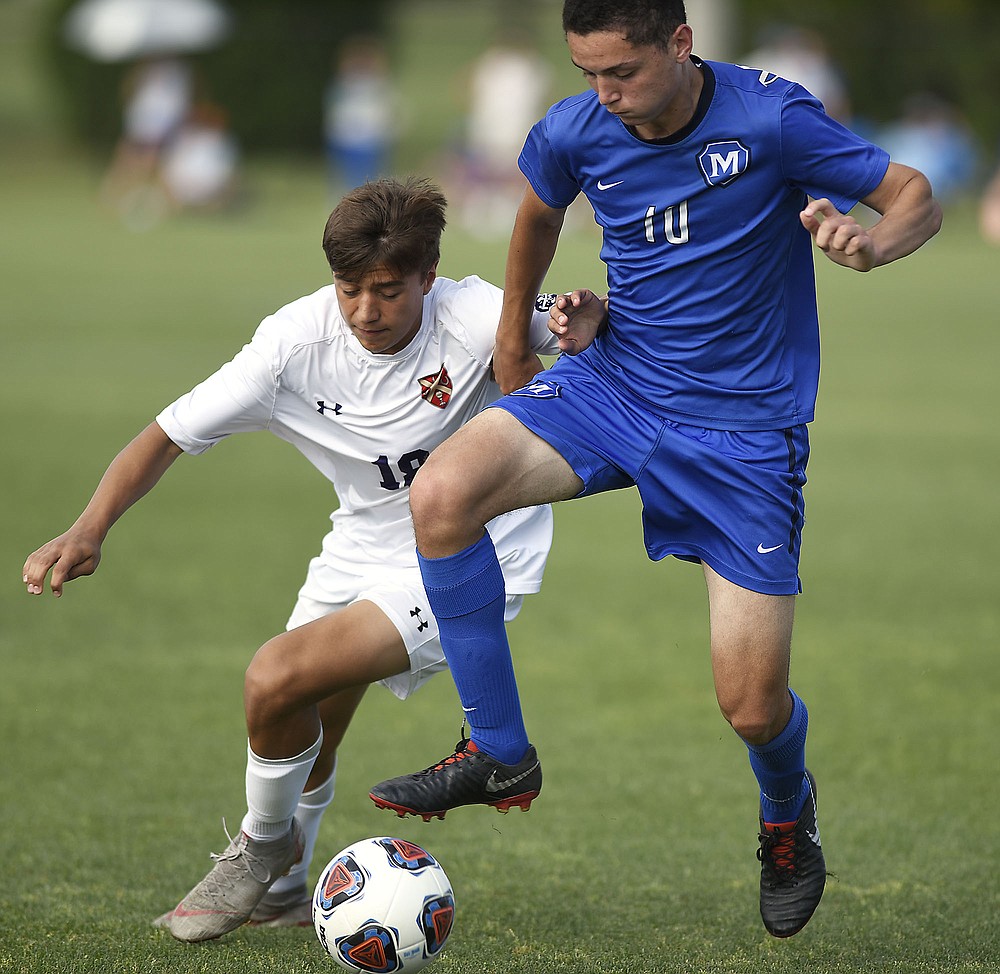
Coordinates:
<point>579,463</point>
<point>753,583</point>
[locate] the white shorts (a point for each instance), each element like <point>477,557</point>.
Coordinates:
<point>401,597</point>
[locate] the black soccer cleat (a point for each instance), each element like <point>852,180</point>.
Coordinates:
<point>467,777</point>
<point>792,870</point>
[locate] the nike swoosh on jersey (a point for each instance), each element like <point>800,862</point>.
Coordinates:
<point>761,550</point>
<point>493,785</point>
<point>602,186</point>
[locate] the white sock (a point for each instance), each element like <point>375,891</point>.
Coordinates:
<point>274,789</point>
<point>308,813</point>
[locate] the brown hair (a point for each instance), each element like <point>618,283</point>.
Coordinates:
<point>386,223</point>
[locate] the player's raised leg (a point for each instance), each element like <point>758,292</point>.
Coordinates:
<point>452,498</point>
<point>751,648</point>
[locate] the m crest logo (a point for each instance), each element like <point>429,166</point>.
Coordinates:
<point>722,162</point>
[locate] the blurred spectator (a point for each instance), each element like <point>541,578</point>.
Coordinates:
<point>508,91</point>
<point>359,115</point>
<point>932,136</point>
<point>799,54</point>
<point>200,163</point>
<point>156,96</point>
<point>176,151</point>
<point>989,210</point>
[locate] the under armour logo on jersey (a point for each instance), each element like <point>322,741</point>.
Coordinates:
<point>415,614</point>
<point>322,408</point>
<point>545,301</point>
<point>539,389</point>
<point>437,388</point>
<point>722,162</point>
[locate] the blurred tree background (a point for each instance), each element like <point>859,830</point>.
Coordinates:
<point>270,72</point>
<point>887,51</point>
<point>268,75</point>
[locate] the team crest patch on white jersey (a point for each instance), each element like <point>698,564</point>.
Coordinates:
<point>722,162</point>
<point>545,301</point>
<point>436,388</point>
<point>539,389</point>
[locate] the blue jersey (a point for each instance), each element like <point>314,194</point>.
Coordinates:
<point>713,315</point>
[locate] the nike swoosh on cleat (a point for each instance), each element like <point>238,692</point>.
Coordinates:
<point>492,785</point>
<point>182,911</point>
<point>761,550</point>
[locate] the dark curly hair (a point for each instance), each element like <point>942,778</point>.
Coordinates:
<point>642,22</point>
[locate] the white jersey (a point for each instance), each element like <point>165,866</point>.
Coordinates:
<point>367,421</point>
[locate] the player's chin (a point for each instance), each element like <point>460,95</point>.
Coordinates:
<point>375,342</point>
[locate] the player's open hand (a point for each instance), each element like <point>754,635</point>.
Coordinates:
<point>69,556</point>
<point>839,235</point>
<point>576,319</point>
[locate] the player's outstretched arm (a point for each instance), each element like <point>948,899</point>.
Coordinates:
<point>577,318</point>
<point>910,217</point>
<point>77,551</point>
<point>532,246</point>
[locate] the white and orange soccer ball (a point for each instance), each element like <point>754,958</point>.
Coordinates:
<point>383,905</point>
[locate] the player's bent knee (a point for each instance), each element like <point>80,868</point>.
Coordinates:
<point>425,496</point>
<point>267,689</point>
<point>439,503</point>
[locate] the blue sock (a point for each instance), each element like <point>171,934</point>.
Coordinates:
<point>467,596</point>
<point>780,767</point>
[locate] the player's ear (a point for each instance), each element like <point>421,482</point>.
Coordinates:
<point>683,42</point>
<point>431,277</point>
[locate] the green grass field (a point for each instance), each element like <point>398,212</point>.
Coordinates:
<point>120,705</point>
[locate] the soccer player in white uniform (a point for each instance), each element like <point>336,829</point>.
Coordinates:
<point>365,377</point>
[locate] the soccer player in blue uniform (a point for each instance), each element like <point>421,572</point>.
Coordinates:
<point>712,182</point>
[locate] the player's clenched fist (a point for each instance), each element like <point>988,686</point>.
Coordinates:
<point>577,318</point>
<point>839,235</point>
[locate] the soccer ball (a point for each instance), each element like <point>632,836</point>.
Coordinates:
<point>383,905</point>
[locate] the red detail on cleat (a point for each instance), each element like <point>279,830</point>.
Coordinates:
<point>503,806</point>
<point>402,811</point>
<point>783,849</point>
<point>522,802</point>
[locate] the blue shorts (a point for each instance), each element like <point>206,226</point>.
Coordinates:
<point>732,499</point>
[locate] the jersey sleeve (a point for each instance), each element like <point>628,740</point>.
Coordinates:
<point>473,305</point>
<point>541,338</point>
<point>541,167</point>
<point>470,309</point>
<point>824,158</point>
<point>238,398</point>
